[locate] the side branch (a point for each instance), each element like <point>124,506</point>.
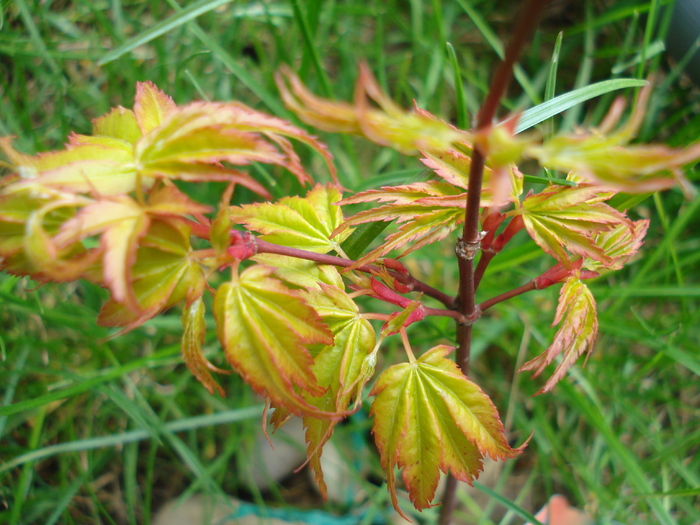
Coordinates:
<point>528,287</point>
<point>415,284</point>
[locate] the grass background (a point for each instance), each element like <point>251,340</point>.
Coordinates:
<point>105,432</point>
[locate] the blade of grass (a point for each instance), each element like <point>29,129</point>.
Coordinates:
<point>132,436</point>
<point>90,383</point>
<point>164,26</point>
<point>22,489</point>
<point>460,100</point>
<point>546,110</point>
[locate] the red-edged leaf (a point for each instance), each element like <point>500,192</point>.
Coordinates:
<point>576,335</point>
<point>620,244</point>
<point>407,132</point>
<point>194,330</point>
<point>337,367</point>
<point>428,417</point>
<point>120,123</point>
<point>304,223</point>
<point>162,275</point>
<point>151,106</point>
<point>265,329</point>
<point>565,218</point>
<point>608,160</point>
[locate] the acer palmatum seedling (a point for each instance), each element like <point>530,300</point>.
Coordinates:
<point>106,209</point>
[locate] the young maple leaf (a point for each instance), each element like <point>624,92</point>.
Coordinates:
<point>428,417</point>
<point>388,125</point>
<point>266,329</point>
<point>151,107</point>
<point>100,166</point>
<point>429,211</point>
<point>305,223</point>
<point>576,335</point>
<point>565,218</point>
<point>619,243</point>
<point>611,163</point>
<point>337,367</point>
<point>194,330</point>
<point>193,140</point>
<point>301,273</point>
<point>162,275</point>
<point>121,222</point>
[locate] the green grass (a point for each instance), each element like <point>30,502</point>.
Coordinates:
<point>100,429</point>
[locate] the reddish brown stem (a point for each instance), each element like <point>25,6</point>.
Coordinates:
<point>468,244</point>
<point>415,284</point>
<point>484,260</point>
<point>528,287</point>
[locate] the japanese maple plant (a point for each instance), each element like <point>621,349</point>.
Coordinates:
<point>107,209</point>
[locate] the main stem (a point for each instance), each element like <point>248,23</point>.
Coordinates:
<point>468,245</point>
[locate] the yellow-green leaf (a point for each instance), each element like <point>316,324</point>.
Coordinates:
<point>428,417</point>
<point>304,223</point>
<point>151,106</point>
<point>194,330</point>
<point>337,367</point>
<point>565,218</point>
<point>120,123</point>
<point>266,329</point>
<point>576,335</point>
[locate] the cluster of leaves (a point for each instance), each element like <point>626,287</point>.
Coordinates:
<point>107,209</point>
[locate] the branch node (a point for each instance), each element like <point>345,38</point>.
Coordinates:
<point>469,320</point>
<point>467,250</point>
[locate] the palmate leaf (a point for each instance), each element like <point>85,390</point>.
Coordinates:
<point>305,223</point>
<point>565,218</point>
<point>162,275</point>
<point>620,244</point>
<point>608,160</point>
<point>194,330</point>
<point>388,125</point>
<point>337,367</point>
<point>428,226</point>
<point>428,417</point>
<point>98,166</point>
<point>429,211</point>
<point>204,133</point>
<point>576,335</point>
<point>266,329</point>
